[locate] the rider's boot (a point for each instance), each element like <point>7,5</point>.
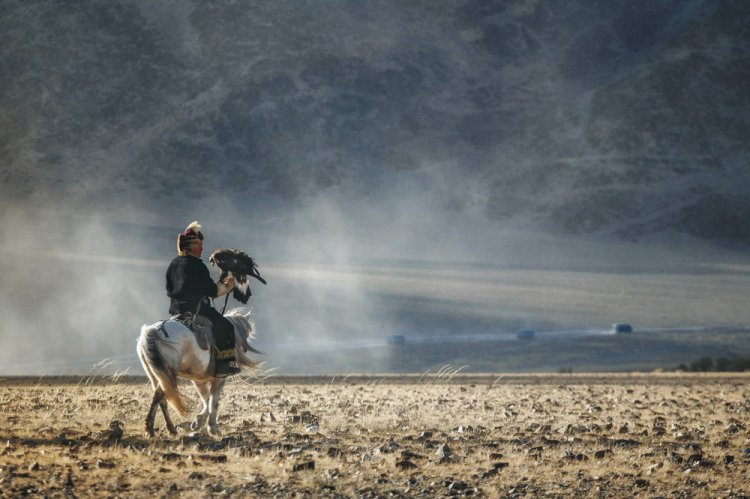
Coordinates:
<point>224,367</point>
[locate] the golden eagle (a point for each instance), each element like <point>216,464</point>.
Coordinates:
<point>240,266</point>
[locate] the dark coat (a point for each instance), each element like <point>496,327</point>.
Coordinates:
<point>189,283</point>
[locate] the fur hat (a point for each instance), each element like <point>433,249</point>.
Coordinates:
<point>192,233</point>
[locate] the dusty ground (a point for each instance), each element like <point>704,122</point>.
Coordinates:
<point>424,436</point>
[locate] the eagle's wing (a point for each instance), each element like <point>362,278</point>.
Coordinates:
<point>241,266</point>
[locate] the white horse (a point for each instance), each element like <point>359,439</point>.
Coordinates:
<point>169,350</point>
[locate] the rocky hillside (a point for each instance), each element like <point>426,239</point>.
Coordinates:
<point>620,117</point>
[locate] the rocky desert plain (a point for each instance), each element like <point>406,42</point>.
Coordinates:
<point>431,435</point>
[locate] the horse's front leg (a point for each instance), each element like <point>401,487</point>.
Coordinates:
<point>205,393</point>
<point>216,387</point>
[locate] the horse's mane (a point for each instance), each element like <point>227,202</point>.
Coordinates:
<point>238,311</point>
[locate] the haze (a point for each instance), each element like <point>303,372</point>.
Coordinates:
<point>448,171</point>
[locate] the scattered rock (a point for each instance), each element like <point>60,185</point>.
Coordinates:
<point>641,482</point>
<point>489,473</point>
<point>116,430</point>
<point>309,418</point>
<point>600,454</point>
<point>405,464</point>
<point>651,469</point>
<point>694,459</point>
<point>390,447</point>
<point>171,456</point>
<point>625,442</point>
<point>455,488</point>
<point>704,463</point>
<point>407,454</point>
<point>684,437</point>
<point>102,464</point>
<point>572,456</point>
<point>576,429</point>
<point>304,466</point>
<point>443,453</point>
<point>425,435</point>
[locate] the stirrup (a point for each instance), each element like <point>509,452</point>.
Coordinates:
<point>223,367</point>
<point>227,354</point>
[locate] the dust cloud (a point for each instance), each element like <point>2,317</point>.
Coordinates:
<point>343,275</point>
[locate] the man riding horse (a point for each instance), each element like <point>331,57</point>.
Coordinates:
<point>189,286</point>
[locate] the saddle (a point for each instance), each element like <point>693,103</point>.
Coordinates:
<point>201,328</point>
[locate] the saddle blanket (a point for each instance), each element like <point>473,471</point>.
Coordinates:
<point>200,326</point>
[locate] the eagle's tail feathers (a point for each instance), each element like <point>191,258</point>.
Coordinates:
<point>242,291</point>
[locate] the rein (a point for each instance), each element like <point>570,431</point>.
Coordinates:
<point>163,329</point>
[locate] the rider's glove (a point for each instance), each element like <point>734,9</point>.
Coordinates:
<point>229,283</point>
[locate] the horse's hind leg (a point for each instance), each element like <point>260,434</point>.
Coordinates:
<point>157,400</point>
<point>164,410</point>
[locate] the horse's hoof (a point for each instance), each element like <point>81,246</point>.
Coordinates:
<point>214,432</point>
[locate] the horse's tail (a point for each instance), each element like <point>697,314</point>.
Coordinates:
<point>244,330</point>
<point>155,366</point>
<point>243,360</point>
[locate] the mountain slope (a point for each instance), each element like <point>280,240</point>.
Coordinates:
<point>583,117</point>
